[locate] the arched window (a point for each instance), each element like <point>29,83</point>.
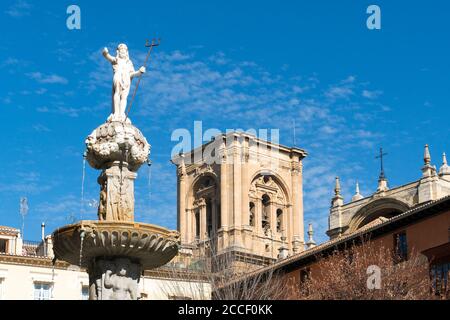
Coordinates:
<point>251,215</point>
<point>265,222</point>
<point>279,220</point>
<point>207,208</point>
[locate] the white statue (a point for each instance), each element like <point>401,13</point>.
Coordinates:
<point>123,73</point>
<point>122,278</point>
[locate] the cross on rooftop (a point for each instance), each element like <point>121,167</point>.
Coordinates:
<point>380,156</point>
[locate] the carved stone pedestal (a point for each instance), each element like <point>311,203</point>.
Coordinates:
<point>114,279</point>
<point>116,193</point>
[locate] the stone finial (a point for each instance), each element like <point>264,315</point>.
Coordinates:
<point>311,243</point>
<point>337,200</point>
<point>426,155</point>
<point>382,185</point>
<point>357,195</point>
<point>444,169</point>
<point>337,187</point>
<point>427,170</point>
<point>182,166</point>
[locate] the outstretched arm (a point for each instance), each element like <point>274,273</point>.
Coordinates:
<point>107,56</point>
<point>108,283</point>
<point>138,73</point>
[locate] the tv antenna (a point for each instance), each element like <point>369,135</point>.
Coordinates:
<point>23,211</point>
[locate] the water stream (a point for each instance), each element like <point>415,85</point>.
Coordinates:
<point>149,183</point>
<point>82,187</point>
<point>82,234</point>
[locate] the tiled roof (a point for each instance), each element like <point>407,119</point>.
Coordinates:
<point>9,230</point>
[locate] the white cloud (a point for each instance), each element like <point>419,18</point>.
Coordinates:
<point>328,129</point>
<point>339,92</point>
<point>10,62</point>
<point>371,94</point>
<point>6,100</point>
<point>59,108</point>
<point>50,78</point>
<point>349,79</point>
<point>19,9</point>
<point>27,183</point>
<point>42,109</point>
<point>220,59</point>
<point>40,128</point>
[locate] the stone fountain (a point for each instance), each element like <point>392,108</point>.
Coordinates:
<point>115,249</point>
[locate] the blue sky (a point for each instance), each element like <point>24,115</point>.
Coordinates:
<point>230,64</point>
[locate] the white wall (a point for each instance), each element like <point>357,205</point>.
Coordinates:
<point>163,289</point>
<point>18,284</point>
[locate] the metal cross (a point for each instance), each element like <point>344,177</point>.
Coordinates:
<point>380,156</point>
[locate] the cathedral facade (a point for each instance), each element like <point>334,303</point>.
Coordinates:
<point>387,203</point>
<point>243,195</point>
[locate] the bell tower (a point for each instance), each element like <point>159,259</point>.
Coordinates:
<point>242,195</point>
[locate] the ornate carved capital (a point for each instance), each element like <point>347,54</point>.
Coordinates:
<point>296,168</point>
<point>200,203</point>
<point>181,171</point>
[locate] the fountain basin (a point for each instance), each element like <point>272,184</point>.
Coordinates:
<point>149,245</point>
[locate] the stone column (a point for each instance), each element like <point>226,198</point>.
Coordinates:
<point>190,230</point>
<point>258,217</point>
<point>284,224</point>
<point>273,218</point>
<point>182,217</point>
<point>300,222</point>
<point>245,184</point>
<point>290,227</point>
<point>213,217</point>
<point>237,186</point>
<point>202,207</point>
<point>224,192</point>
<point>297,207</point>
<point>215,225</point>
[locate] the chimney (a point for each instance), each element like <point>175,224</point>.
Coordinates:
<point>43,231</point>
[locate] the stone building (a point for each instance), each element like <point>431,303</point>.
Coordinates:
<point>386,203</point>
<point>424,230</point>
<point>410,219</point>
<point>242,195</point>
<point>27,272</point>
